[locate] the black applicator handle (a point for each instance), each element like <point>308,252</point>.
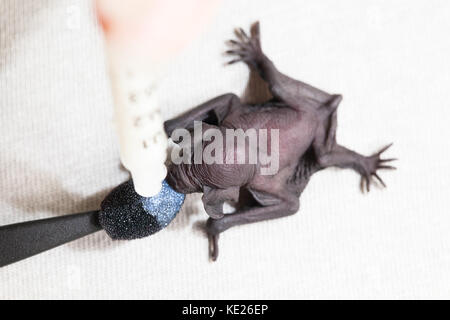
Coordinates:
<point>23,240</point>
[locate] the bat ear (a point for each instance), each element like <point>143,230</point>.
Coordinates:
<point>254,30</point>
<point>335,101</point>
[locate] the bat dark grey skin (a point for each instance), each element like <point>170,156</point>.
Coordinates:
<point>306,118</point>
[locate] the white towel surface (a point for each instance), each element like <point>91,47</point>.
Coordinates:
<point>59,155</point>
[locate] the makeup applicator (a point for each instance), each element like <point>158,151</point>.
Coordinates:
<point>140,37</point>
<point>124,215</point>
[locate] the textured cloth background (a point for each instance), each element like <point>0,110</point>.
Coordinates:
<point>58,155</point>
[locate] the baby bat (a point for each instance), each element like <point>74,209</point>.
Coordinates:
<point>306,118</point>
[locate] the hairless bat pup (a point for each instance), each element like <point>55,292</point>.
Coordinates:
<point>306,118</point>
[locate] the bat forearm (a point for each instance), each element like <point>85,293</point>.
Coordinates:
<point>286,88</point>
<point>253,215</point>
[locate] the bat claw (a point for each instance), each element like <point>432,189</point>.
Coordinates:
<point>388,160</point>
<point>254,30</point>
<point>213,238</point>
<point>234,61</point>
<point>384,149</point>
<point>365,184</point>
<point>213,241</point>
<point>380,180</point>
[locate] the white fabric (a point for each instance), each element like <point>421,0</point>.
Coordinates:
<point>59,155</point>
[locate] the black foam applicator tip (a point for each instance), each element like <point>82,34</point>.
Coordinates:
<point>124,215</point>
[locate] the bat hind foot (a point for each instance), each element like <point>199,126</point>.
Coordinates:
<point>246,48</point>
